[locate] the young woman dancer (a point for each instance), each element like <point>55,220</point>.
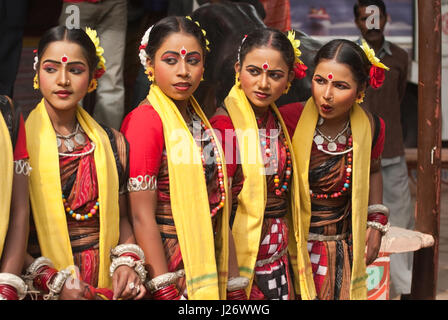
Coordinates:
<point>80,224</point>
<point>338,147</point>
<point>256,138</point>
<point>14,201</point>
<point>178,184</point>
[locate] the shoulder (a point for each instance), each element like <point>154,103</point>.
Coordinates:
<point>291,113</point>
<point>143,119</point>
<point>221,120</point>
<point>398,53</point>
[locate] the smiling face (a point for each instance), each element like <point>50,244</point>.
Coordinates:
<point>264,76</point>
<point>334,90</point>
<point>63,75</point>
<point>178,66</point>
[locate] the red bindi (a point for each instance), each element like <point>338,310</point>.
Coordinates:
<point>265,66</point>
<point>64,59</point>
<point>330,76</point>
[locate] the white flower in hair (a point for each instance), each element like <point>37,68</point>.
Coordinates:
<point>36,61</point>
<point>142,54</point>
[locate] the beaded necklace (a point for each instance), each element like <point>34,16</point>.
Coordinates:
<point>198,137</point>
<point>265,141</point>
<point>78,216</point>
<point>348,178</point>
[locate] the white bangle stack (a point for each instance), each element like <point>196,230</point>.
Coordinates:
<point>14,281</point>
<point>164,280</point>
<point>31,272</point>
<point>119,260</point>
<point>380,208</point>
<point>56,285</point>
<point>378,226</point>
<point>237,283</point>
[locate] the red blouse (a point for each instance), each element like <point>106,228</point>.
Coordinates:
<point>143,129</point>
<point>20,151</point>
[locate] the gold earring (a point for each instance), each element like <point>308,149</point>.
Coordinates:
<point>36,83</point>
<point>92,85</point>
<point>360,99</point>
<point>237,80</point>
<point>150,72</point>
<point>287,88</point>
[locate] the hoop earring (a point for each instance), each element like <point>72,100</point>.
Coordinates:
<point>150,72</point>
<point>287,88</point>
<point>92,85</point>
<point>237,80</point>
<point>360,99</point>
<point>36,82</point>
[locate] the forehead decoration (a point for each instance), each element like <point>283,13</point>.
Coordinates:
<point>64,59</point>
<point>183,52</point>
<point>330,76</point>
<point>265,66</point>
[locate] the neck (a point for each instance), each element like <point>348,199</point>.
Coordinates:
<point>182,106</point>
<point>63,121</point>
<point>332,126</point>
<point>260,112</point>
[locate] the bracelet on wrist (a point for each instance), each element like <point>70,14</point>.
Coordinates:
<point>378,226</point>
<point>379,208</point>
<point>237,283</point>
<point>164,280</point>
<point>12,287</point>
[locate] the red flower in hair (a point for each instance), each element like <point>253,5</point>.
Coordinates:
<point>98,73</point>
<point>377,76</point>
<point>300,70</point>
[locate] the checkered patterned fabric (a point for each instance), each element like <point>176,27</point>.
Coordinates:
<point>319,262</point>
<point>272,278</point>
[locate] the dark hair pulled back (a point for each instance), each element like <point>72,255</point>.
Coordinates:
<point>349,53</point>
<point>271,38</point>
<point>78,36</point>
<point>170,25</point>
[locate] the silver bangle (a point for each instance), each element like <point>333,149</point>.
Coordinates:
<point>22,167</point>
<point>141,183</point>
<point>381,208</point>
<point>237,283</point>
<point>37,264</point>
<point>164,280</point>
<point>138,266</point>
<point>14,281</point>
<point>378,226</point>
<point>127,248</point>
<point>56,285</point>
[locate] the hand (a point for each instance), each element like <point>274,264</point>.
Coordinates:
<point>74,290</point>
<point>127,284</point>
<point>373,243</point>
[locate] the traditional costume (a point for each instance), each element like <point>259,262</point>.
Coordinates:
<point>334,195</point>
<point>13,159</point>
<point>183,162</point>
<point>265,218</point>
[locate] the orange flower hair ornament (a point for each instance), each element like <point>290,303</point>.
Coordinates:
<point>377,73</point>
<point>101,66</point>
<point>299,67</point>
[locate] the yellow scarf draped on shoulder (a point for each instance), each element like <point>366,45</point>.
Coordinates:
<point>362,142</point>
<point>205,262</point>
<point>7,173</point>
<point>249,216</point>
<point>46,192</point>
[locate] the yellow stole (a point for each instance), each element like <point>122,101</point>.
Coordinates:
<point>7,172</point>
<point>362,142</point>
<point>205,263</point>
<point>249,216</point>
<point>46,193</point>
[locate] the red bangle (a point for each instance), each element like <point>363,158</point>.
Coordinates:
<point>8,292</point>
<point>168,293</point>
<point>45,275</point>
<point>237,295</point>
<point>377,217</point>
<point>132,255</point>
